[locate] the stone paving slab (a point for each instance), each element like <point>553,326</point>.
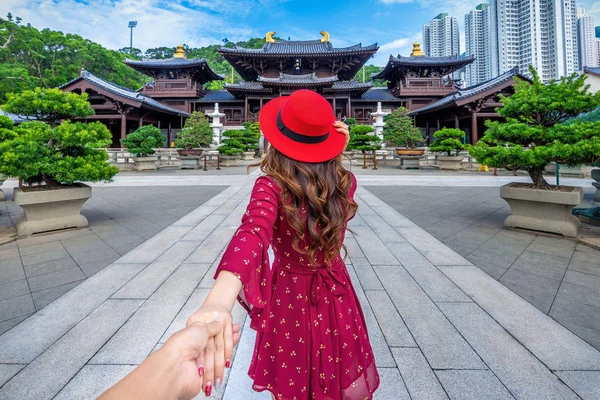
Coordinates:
<point>585,383</point>
<point>421,382</point>
<point>557,348</point>
<point>93,380</point>
<point>45,377</point>
<point>517,368</point>
<point>473,385</point>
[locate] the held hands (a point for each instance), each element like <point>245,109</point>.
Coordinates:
<point>217,354</point>
<point>343,129</point>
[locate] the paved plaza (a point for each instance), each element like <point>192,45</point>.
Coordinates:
<point>444,320</point>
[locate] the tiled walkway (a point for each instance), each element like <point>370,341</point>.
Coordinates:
<point>558,276</point>
<point>440,327</point>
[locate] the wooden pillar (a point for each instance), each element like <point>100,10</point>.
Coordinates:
<point>474,128</point>
<point>334,111</point>
<point>427,130</point>
<point>348,110</point>
<point>245,108</point>
<point>350,107</point>
<point>456,122</point>
<point>123,126</point>
<point>261,102</point>
<point>141,122</point>
<point>438,124</point>
<point>169,131</point>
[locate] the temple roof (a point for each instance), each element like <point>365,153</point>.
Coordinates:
<point>299,48</point>
<point>448,64</point>
<point>137,97</point>
<point>197,66</point>
<point>379,94</point>
<point>216,96</point>
<point>462,96</point>
<point>592,70</point>
<point>306,80</point>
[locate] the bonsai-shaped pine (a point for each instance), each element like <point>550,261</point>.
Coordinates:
<point>400,129</point>
<point>362,139</point>
<point>48,105</point>
<point>350,122</point>
<point>144,140</point>
<point>38,151</point>
<point>6,129</point>
<point>250,137</point>
<point>535,132</point>
<point>196,132</point>
<point>58,155</point>
<point>447,140</point>
<point>233,144</point>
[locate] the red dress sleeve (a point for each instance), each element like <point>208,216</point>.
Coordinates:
<point>246,255</point>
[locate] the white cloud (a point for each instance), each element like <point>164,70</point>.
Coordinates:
<point>402,46</point>
<point>105,21</point>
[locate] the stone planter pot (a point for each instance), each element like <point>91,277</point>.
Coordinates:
<point>542,210</point>
<point>145,163</point>
<point>230,160</point>
<point>403,151</point>
<point>191,162</point>
<point>50,210</point>
<point>190,152</point>
<point>410,162</point>
<point>596,177</point>
<point>2,179</point>
<point>248,155</point>
<point>453,163</point>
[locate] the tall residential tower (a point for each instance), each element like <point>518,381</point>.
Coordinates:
<point>588,47</point>
<point>441,37</point>
<point>477,40</point>
<point>542,33</point>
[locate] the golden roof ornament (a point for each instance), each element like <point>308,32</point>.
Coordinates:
<point>180,52</point>
<point>269,37</point>
<point>325,37</point>
<point>417,52</point>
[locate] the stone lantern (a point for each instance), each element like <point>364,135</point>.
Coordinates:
<point>216,124</point>
<point>378,125</point>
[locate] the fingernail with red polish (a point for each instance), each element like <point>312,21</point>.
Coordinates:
<point>227,363</point>
<point>201,370</point>
<point>208,389</point>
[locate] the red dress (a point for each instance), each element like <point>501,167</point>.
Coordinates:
<point>312,340</point>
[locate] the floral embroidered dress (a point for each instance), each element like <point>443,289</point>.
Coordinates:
<point>312,340</point>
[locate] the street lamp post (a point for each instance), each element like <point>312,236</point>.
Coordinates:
<point>132,24</point>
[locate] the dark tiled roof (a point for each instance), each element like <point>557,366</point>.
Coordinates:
<point>299,48</point>
<point>297,80</point>
<point>462,94</point>
<point>126,93</point>
<point>592,70</point>
<point>182,63</point>
<point>379,94</point>
<point>454,62</point>
<point>349,86</point>
<point>247,87</point>
<point>215,96</point>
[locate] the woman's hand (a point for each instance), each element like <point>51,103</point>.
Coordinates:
<point>343,129</point>
<point>218,352</point>
<point>189,345</point>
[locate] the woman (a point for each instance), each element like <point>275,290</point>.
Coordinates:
<point>312,340</point>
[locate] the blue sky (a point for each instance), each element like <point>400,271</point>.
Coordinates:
<point>393,24</point>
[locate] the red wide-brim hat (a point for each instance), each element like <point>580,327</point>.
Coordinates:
<point>301,127</point>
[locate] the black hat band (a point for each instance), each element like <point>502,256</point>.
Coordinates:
<point>298,137</point>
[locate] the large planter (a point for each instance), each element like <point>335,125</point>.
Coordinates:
<point>410,162</point>
<point>248,155</point>
<point>51,210</point>
<point>2,179</point>
<point>596,177</point>
<point>190,152</point>
<point>230,160</point>
<point>410,152</point>
<point>542,210</point>
<point>453,163</point>
<point>191,162</point>
<point>145,163</point>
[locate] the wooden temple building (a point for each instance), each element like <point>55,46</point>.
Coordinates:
<point>176,87</point>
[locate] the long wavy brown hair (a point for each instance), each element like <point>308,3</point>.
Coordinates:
<point>313,195</point>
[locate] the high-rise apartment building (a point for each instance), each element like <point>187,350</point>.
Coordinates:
<point>542,33</point>
<point>588,48</point>
<point>441,37</point>
<point>477,41</point>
